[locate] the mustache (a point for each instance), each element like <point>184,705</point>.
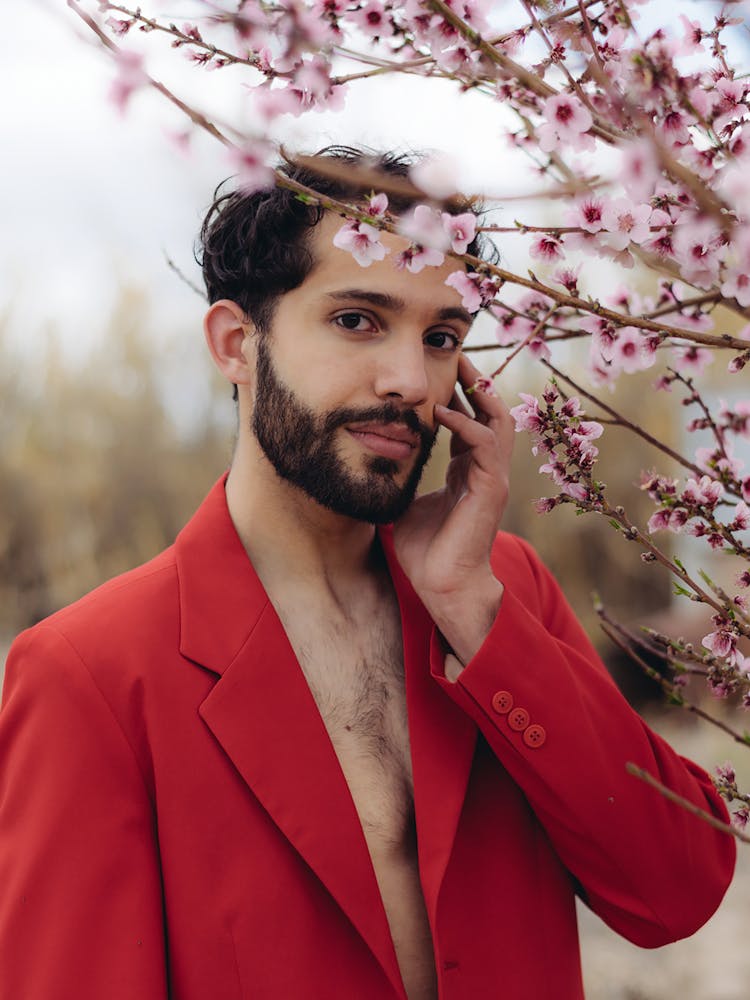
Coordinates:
<point>385,414</point>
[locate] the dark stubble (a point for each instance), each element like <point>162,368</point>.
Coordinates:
<point>300,445</point>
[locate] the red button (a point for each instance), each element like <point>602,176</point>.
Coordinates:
<point>534,736</point>
<point>518,719</point>
<point>502,702</point>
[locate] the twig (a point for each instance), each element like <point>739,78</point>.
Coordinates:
<point>531,335</point>
<point>668,687</point>
<point>624,422</point>
<point>639,772</point>
<point>183,277</point>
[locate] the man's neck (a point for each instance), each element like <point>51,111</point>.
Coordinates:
<point>288,535</point>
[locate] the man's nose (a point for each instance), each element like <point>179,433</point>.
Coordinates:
<point>402,372</point>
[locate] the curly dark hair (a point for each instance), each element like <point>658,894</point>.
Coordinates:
<point>253,248</point>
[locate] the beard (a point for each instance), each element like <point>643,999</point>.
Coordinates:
<point>301,446</point>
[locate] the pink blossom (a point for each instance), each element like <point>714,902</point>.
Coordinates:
<point>546,247</point>
<point>575,490</point>
<point>314,89</point>
<point>566,124</point>
<point>698,249</point>
<point>527,415</point>
<point>424,226</point>
<point>511,327</point>
<point>603,331</point>
<point>461,229</point>
<point>436,175</point>
<point>556,470</point>
<point>741,520</point>
<point>692,360</point>
<point>583,242</point>
<point>731,108</point>
<point>377,205</point>
<point>691,41</point>
<point>545,504</point>
<point>538,349</point>
<point>734,186</point>
<point>415,258</point>
<point>192,31</point>
<point>572,408</point>
<point>738,362</point>
<point>640,171</point>
<point>362,241</point>
<point>736,285</point>
<point>631,351</point>
<point>657,486</point>
<point>301,31</point>
<point>118,27</point>
<point>726,772</point>
<point>475,290</point>
<point>712,458</point>
<point>270,103</point>
<point>673,519</point>
<point>702,100</point>
<point>704,492</point>
<point>743,580</point>
<point>534,303</point>
<point>482,383</point>
<point>675,127</point>
<point>568,278</point>
<point>722,642</point>
<point>251,165</point>
<point>625,222</point>
<point>581,450</point>
<point>587,214</point>
<point>130,76</point>
<point>373,20</point>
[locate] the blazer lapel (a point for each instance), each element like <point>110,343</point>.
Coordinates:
<point>442,737</point>
<point>262,713</point>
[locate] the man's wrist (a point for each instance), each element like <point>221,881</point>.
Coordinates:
<point>465,619</point>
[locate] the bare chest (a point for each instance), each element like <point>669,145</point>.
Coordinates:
<point>357,682</point>
<point>356,678</point>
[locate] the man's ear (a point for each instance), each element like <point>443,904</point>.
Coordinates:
<point>226,326</point>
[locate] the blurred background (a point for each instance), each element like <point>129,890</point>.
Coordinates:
<point>113,425</point>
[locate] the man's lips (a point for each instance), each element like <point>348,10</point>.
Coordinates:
<point>389,440</point>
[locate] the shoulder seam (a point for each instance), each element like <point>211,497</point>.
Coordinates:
<point>43,626</point>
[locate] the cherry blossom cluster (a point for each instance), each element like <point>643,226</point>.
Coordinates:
<point>558,429</point>
<point>429,231</point>
<point>726,784</point>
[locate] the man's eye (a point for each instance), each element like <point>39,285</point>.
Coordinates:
<point>354,321</point>
<point>443,340</point>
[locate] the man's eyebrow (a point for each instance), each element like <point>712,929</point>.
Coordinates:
<point>396,304</point>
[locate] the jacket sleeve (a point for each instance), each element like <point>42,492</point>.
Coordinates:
<point>81,901</point>
<point>653,871</point>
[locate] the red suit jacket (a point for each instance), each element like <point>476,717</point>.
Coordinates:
<point>174,821</point>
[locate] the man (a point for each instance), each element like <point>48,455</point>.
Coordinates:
<point>302,754</point>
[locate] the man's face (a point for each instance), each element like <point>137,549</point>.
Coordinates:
<point>348,376</point>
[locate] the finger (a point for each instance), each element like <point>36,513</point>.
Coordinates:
<point>471,434</point>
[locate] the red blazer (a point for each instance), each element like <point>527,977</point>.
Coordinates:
<point>174,820</point>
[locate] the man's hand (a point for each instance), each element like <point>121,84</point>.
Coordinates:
<point>443,541</point>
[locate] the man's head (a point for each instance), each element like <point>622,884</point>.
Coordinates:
<point>339,367</point>
<point>256,247</point>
